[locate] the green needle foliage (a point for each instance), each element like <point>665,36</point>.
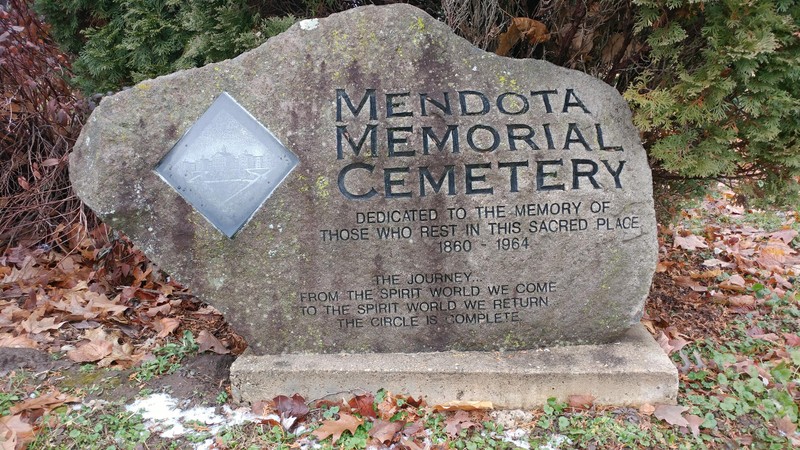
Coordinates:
<point>720,96</point>
<point>714,85</point>
<point>121,42</point>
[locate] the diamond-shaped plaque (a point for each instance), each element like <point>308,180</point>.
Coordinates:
<point>227,165</point>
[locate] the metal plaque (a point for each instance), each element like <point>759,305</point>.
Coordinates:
<point>227,165</point>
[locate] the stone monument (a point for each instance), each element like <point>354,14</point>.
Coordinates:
<point>373,202</point>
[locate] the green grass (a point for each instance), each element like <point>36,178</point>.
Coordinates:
<point>167,359</point>
<point>108,426</point>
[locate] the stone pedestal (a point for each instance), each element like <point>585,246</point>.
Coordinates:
<point>632,371</point>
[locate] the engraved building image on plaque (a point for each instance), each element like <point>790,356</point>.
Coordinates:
<point>226,165</point>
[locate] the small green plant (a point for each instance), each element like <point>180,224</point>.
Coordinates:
<point>167,359</point>
<point>108,426</point>
<point>330,413</point>
<point>7,399</point>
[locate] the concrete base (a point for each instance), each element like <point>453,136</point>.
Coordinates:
<point>630,372</point>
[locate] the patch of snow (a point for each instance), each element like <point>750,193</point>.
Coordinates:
<point>163,417</point>
<point>518,437</point>
<point>555,442</point>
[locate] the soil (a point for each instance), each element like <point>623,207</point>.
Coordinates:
<point>200,379</point>
<point>28,359</point>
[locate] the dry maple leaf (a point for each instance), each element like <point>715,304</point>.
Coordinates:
<point>690,242</point>
<point>459,421</point>
<point>670,345</point>
<point>21,341</point>
<point>261,407</point>
<point>101,303</point>
<point>335,428</point>
<point>647,409</point>
<point>388,407</point>
<point>47,402</point>
<point>411,445</point>
<point>735,283</point>
<point>672,414</point>
<point>26,271</point>
<point>533,30</point>
<point>294,406</point>
<point>206,341</point>
<point>14,431</point>
<point>91,351</point>
<point>165,326</point>
<point>411,402</point>
<point>580,401</point>
<point>774,255</point>
<point>459,405</point>
<point>694,422</point>
<point>785,235</point>
<point>785,425</point>
<point>792,339</point>
<point>364,405</point>
<point>73,304</point>
<point>741,301</point>
<point>385,431</point>
<point>688,282</point>
<point>33,325</point>
<point>414,428</point>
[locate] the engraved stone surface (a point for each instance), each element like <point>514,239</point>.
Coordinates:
<point>445,198</point>
<point>226,165</point>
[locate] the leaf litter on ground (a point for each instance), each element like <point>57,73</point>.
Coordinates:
<point>723,305</point>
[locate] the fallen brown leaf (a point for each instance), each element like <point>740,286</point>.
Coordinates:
<point>792,339</point>
<point>741,300</point>
<point>580,401</point>
<point>414,428</point>
<point>671,414</point>
<point>714,262</point>
<point>670,345</point>
<point>533,30</point>
<point>363,405</point>
<point>336,428</point>
<point>101,304</point>
<point>165,326</point>
<point>734,283</point>
<point>647,409</point>
<point>786,426</point>
<point>47,402</point>
<point>206,341</point>
<point>385,431</point>
<point>388,407</point>
<point>21,341</point>
<point>15,431</point>
<point>90,351</point>
<point>294,406</point>
<point>261,407</point>
<point>459,421</point>
<point>694,422</point>
<point>784,235</point>
<point>411,444</point>
<point>688,282</point>
<point>774,254</point>
<point>690,242</point>
<point>463,406</point>
<point>33,325</point>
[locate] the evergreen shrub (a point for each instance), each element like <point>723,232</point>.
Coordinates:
<point>714,85</point>
<point>122,42</point>
<point>720,95</point>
